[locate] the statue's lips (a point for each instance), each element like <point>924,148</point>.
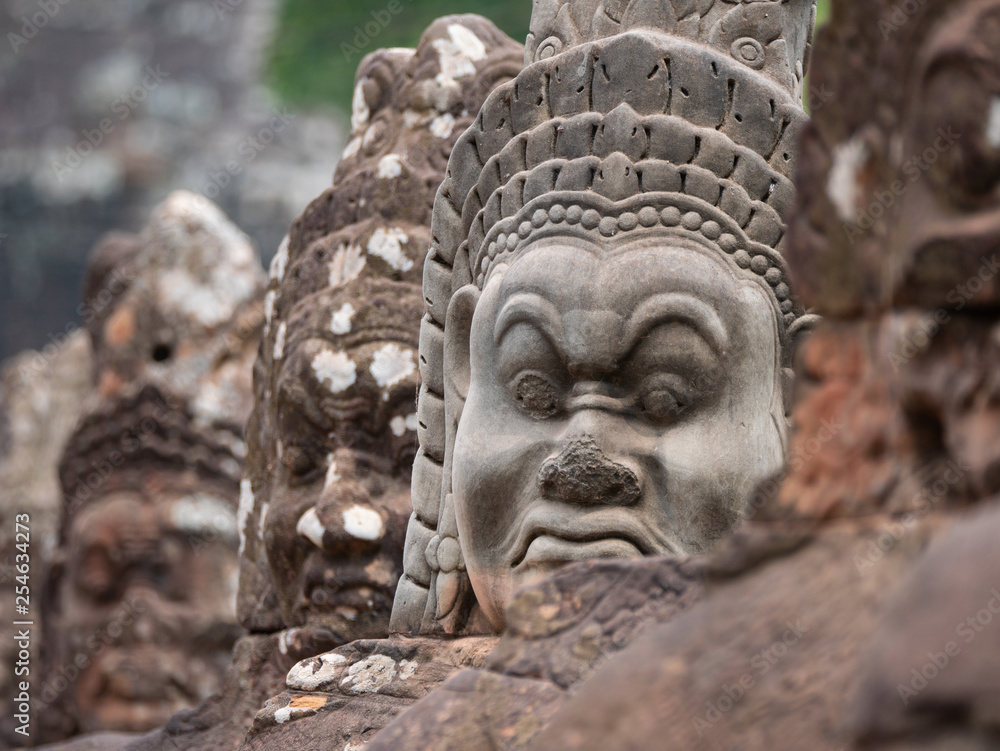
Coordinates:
<point>555,536</point>
<point>329,586</point>
<point>547,550</point>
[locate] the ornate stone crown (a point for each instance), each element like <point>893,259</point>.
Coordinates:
<point>631,115</point>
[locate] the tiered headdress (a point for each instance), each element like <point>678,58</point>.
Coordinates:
<point>631,114</point>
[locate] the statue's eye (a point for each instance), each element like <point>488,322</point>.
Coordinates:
<point>536,396</point>
<point>300,462</point>
<point>664,399</point>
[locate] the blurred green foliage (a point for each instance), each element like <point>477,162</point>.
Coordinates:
<point>319,43</point>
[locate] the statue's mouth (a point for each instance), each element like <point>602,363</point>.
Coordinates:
<point>550,550</point>
<point>346,589</point>
<point>550,543</point>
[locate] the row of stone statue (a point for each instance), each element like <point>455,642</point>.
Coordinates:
<point>578,256</point>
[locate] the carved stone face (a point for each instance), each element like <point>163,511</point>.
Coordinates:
<point>341,490</point>
<point>623,399</point>
<point>146,608</point>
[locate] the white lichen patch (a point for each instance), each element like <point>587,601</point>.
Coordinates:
<point>842,187</point>
<point>279,264</point>
<point>212,403</point>
<point>245,511</point>
<point>407,668</point>
<point>413,119</point>
<point>353,147</point>
<point>363,523</point>
<point>370,675</point>
<point>993,124</point>
<point>390,167</point>
<point>388,244</point>
<point>279,341</point>
<point>269,300</point>
<point>310,527</point>
<point>335,369</point>
<point>286,639</point>
<point>202,303</point>
<point>346,265</point>
<point>262,521</point>
<point>351,746</point>
<point>204,515</point>
<point>360,113</point>
<point>285,714</point>
<point>314,673</point>
<point>392,364</point>
<point>399,424</point>
<point>443,126</point>
<point>340,323</point>
<point>458,54</point>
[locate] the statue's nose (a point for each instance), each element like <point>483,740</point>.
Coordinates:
<point>343,522</point>
<point>583,474</point>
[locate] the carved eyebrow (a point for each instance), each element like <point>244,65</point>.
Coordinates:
<point>680,308</point>
<point>534,310</point>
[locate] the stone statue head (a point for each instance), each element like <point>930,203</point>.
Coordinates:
<point>609,319</point>
<point>178,302</point>
<point>141,616</point>
<point>332,437</point>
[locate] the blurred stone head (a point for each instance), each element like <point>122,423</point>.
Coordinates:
<point>140,613</point>
<point>178,303</point>
<point>140,616</point>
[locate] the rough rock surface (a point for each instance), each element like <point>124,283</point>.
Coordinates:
<point>559,632</point>
<point>489,693</point>
<point>765,661</point>
<point>341,699</point>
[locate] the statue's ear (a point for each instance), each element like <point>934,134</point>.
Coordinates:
<point>457,354</point>
<point>797,333</point>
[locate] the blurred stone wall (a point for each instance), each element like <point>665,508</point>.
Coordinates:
<point>108,105</point>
